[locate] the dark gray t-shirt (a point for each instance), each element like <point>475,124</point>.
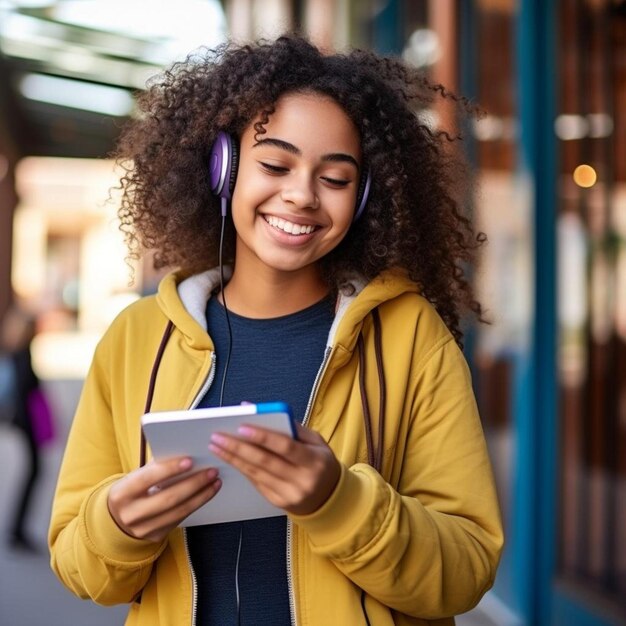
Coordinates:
<point>272,360</point>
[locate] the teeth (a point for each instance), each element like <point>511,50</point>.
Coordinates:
<point>289,227</point>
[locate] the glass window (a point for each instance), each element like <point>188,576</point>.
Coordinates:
<point>502,211</point>
<point>591,131</point>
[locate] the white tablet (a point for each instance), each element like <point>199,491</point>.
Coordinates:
<point>188,433</point>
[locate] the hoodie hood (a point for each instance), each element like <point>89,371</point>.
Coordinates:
<point>184,300</point>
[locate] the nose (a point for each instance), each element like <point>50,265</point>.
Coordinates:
<point>299,191</point>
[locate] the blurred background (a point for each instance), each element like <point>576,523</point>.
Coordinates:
<point>550,155</point>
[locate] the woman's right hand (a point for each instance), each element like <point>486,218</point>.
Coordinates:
<point>145,510</point>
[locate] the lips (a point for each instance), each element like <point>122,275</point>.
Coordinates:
<point>291,228</point>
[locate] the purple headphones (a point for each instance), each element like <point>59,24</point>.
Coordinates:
<point>223,164</point>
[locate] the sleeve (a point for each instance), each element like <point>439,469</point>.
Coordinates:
<point>90,554</point>
<point>430,547</point>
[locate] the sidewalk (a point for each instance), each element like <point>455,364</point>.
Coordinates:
<point>30,594</point>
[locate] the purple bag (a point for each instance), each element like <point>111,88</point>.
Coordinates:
<point>41,419</point>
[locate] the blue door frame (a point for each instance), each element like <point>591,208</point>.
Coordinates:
<point>536,419</point>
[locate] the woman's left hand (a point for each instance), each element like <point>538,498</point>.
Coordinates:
<point>297,475</point>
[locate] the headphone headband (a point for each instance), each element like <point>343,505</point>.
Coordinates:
<point>363,194</point>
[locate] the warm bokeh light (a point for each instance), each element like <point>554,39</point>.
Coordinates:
<point>585,176</point>
<point>68,258</point>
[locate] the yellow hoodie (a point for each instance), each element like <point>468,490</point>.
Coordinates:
<point>423,539</point>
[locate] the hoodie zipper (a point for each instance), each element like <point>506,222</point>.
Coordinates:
<point>207,383</point>
<point>194,583</point>
<point>316,383</point>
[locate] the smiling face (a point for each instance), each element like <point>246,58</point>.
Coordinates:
<point>296,187</point>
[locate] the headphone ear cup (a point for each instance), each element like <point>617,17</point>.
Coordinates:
<point>234,166</point>
<point>223,164</point>
<point>362,195</point>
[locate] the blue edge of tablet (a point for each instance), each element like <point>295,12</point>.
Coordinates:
<point>278,407</point>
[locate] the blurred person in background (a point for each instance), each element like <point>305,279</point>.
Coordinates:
<point>25,407</point>
<point>346,236</point>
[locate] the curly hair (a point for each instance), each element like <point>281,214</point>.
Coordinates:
<point>415,218</point>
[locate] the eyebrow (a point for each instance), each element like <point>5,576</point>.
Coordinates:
<point>338,157</point>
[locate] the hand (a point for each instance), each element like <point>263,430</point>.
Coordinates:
<point>297,475</point>
<point>145,510</point>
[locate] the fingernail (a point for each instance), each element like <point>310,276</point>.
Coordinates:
<point>215,450</point>
<point>246,431</point>
<point>185,464</point>
<point>218,439</point>
<point>211,474</point>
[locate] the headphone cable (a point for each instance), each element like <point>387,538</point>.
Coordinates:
<point>230,349</point>
<point>230,331</point>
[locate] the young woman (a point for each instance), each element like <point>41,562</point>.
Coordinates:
<point>345,239</point>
